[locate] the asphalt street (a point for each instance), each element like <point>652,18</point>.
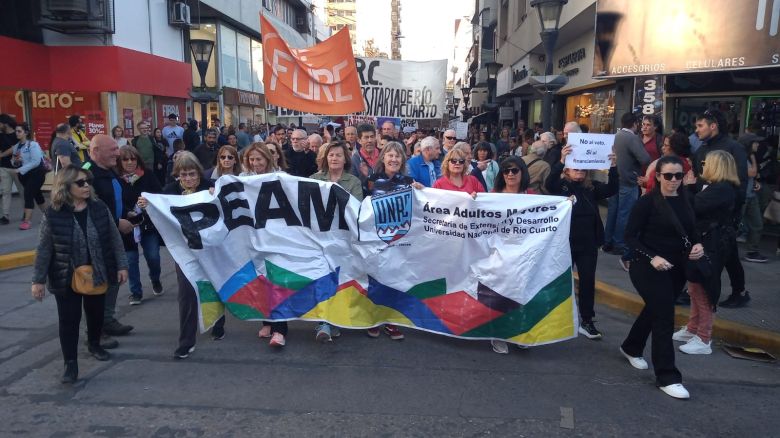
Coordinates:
<point>426,385</point>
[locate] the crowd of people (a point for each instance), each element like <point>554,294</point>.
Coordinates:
<point>673,221</point>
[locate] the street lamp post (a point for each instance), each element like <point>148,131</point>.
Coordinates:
<point>201,54</point>
<point>549,17</point>
<point>466,113</point>
<point>492,73</point>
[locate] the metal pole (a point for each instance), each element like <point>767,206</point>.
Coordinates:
<point>549,37</point>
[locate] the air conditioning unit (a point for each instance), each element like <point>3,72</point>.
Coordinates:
<point>180,14</point>
<point>68,7</point>
<point>302,24</point>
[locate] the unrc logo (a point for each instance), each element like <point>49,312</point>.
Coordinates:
<point>393,214</point>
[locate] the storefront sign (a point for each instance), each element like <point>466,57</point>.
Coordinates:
<point>506,113</point>
<point>233,96</point>
<point>590,151</point>
<point>519,75</point>
<point>676,36</point>
<point>649,96</point>
<point>169,105</point>
<point>572,58</point>
<point>127,119</point>
<point>95,123</point>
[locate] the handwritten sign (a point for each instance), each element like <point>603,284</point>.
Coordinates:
<point>590,151</point>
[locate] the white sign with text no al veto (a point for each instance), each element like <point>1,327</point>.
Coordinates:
<point>590,151</point>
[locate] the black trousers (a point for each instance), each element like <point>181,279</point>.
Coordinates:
<point>658,289</point>
<point>69,311</point>
<point>585,259</point>
<point>277,327</point>
<point>188,311</point>
<point>32,182</point>
<point>734,268</point>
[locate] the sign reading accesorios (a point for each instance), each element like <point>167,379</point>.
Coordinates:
<point>676,36</point>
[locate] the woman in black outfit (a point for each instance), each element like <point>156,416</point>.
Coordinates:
<point>77,230</point>
<point>587,231</point>
<point>189,179</point>
<point>658,270</point>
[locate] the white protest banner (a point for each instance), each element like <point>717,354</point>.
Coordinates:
<point>403,89</point>
<point>590,151</point>
<point>278,247</point>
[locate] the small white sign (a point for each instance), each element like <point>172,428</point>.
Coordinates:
<point>462,130</point>
<point>590,151</point>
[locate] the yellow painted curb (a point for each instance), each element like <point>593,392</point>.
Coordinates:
<point>17,259</point>
<point>729,331</point>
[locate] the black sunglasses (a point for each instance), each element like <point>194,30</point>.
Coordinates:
<point>83,182</point>
<point>512,170</point>
<point>227,157</point>
<point>457,161</point>
<point>668,176</point>
<point>449,138</point>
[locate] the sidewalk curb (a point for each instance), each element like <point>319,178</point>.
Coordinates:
<point>729,331</point>
<point>17,259</point>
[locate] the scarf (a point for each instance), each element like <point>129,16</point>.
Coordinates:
<point>131,178</point>
<point>371,160</point>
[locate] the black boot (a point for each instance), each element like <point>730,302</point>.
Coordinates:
<point>98,352</point>
<point>71,373</point>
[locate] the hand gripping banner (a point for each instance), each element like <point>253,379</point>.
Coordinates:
<point>321,79</point>
<point>278,247</point>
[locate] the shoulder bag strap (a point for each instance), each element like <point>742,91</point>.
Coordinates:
<point>664,206</point>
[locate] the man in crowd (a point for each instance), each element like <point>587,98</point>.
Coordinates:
<point>243,138</point>
<point>300,161</point>
<point>114,192</point>
<point>79,136</point>
<point>448,141</point>
<point>366,156</point>
<point>631,158</point>
<point>553,148</point>
<point>426,167</point>
<point>388,128</point>
<point>538,169</point>
<point>502,144</point>
<point>172,131</point>
<point>63,148</point>
<point>7,174</point>
<point>145,145</point>
<point>350,135</point>
<point>191,136</point>
<point>206,153</point>
<point>709,129</point>
<point>315,142</point>
<point>278,135</point>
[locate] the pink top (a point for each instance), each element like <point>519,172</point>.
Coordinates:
<point>470,185</point>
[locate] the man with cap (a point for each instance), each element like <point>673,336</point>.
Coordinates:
<point>113,191</point>
<point>171,132</point>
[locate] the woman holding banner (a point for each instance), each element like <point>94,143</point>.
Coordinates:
<point>334,165</point>
<point>587,230</point>
<point>189,179</point>
<point>658,270</point>
<point>256,160</point>
<point>455,174</point>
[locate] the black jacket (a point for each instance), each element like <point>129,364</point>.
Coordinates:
<point>61,227</point>
<point>586,209</point>
<point>191,139</point>
<point>119,200</point>
<point>174,188</point>
<point>147,183</point>
<point>723,142</point>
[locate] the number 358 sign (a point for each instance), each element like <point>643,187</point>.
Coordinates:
<point>649,96</point>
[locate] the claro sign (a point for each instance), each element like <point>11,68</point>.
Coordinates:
<point>49,100</point>
<point>676,36</point>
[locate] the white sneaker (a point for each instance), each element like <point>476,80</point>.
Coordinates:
<point>696,346</point>
<point>500,347</point>
<point>683,335</point>
<point>676,390</point>
<point>637,362</point>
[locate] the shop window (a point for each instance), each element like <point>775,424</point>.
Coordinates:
<point>49,108</point>
<point>244,62</point>
<point>687,108</point>
<point>133,108</point>
<point>595,109</point>
<point>257,67</point>
<point>229,57</point>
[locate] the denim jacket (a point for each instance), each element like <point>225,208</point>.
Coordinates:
<point>31,155</point>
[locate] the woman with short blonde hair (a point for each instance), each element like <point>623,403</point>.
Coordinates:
<point>455,174</point>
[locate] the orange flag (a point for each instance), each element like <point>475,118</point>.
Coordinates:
<point>321,79</point>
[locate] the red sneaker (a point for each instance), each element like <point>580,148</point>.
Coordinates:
<point>393,332</point>
<point>25,225</point>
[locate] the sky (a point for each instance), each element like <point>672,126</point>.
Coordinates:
<point>428,27</point>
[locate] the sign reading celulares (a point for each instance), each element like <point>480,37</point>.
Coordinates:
<point>278,247</point>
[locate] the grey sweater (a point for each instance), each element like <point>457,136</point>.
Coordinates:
<point>631,157</point>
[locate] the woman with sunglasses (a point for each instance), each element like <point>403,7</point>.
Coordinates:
<point>455,174</point>
<point>77,230</point>
<point>227,163</point>
<point>189,179</point>
<point>587,230</point>
<point>27,160</point>
<point>139,179</point>
<point>279,162</point>
<point>713,207</point>
<point>658,271</point>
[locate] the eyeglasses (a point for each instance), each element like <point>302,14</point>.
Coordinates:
<point>668,176</point>
<point>457,161</point>
<point>512,170</point>
<point>449,138</point>
<point>193,174</point>
<point>83,182</point>
<point>129,159</point>
<point>227,157</point>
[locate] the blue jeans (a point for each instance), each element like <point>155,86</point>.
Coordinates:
<point>619,208</point>
<point>151,246</point>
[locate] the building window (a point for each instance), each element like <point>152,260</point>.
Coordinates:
<point>229,57</point>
